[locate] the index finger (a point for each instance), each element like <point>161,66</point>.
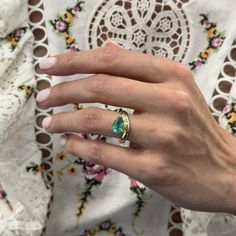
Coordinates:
<point>110,59</point>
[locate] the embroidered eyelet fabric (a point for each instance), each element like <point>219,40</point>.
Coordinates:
<point>23,195</point>
<point>90,199</point>
<point>198,33</point>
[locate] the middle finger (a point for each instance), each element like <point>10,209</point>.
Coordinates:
<point>112,90</point>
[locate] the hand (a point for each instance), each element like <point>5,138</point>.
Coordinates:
<point>177,148</point>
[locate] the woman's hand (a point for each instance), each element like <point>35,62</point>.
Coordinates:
<point>177,147</point>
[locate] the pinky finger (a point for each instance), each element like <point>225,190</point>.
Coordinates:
<point>122,159</point>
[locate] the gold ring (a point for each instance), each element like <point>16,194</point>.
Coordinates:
<point>121,126</point>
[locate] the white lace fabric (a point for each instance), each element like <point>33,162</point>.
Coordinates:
<point>16,70</point>
<point>12,15</point>
<point>208,224</point>
<point>27,194</point>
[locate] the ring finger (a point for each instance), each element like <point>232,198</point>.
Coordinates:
<point>95,121</point>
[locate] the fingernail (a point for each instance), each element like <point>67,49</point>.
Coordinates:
<point>47,63</point>
<point>46,122</point>
<point>63,140</point>
<point>43,95</point>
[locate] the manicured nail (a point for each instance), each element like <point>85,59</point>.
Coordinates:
<point>43,95</point>
<point>63,140</point>
<point>46,122</point>
<point>47,63</point>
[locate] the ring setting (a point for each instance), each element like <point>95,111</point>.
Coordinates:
<point>121,126</point>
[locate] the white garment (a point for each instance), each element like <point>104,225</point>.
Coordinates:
<point>173,31</point>
<point>26,193</point>
<point>167,28</point>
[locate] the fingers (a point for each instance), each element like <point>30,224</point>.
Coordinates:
<point>94,121</point>
<point>112,60</point>
<point>122,159</point>
<point>100,88</point>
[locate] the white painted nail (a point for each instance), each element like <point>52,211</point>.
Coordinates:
<point>43,95</point>
<point>46,122</point>
<point>47,63</point>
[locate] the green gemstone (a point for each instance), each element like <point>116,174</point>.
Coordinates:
<point>118,125</point>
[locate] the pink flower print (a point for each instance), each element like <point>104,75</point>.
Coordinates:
<point>61,25</point>
<point>133,183</point>
<point>217,42</point>
<point>207,24</point>
<point>227,109</point>
<point>88,168</point>
<point>75,10</point>
<point>103,172</point>
<point>198,62</point>
<point>73,47</point>
<point>20,33</point>
<point>105,225</point>
<point>96,171</point>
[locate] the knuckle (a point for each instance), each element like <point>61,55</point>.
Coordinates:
<point>184,73</point>
<point>98,83</point>
<point>166,139</point>
<point>158,171</point>
<point>90,118</point>
<point>174,138</point>
<point>182,102</point>
<point>94,152</point>
<point>69,59</point>
<point>166,175</point>
<point>109,54</point>
<point>157,174</point>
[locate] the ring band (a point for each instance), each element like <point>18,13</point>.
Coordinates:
<point>121,126</point>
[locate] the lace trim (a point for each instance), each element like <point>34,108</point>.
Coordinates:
<point>175,222</point>
<point>44,139</point>
<point>224,84</point>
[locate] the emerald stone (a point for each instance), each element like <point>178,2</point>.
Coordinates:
<point>118,126</point>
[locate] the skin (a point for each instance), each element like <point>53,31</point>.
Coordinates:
<point>177,148</point>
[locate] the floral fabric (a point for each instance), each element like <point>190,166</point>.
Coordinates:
<point>88,199</point>
<point>98,200</point>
